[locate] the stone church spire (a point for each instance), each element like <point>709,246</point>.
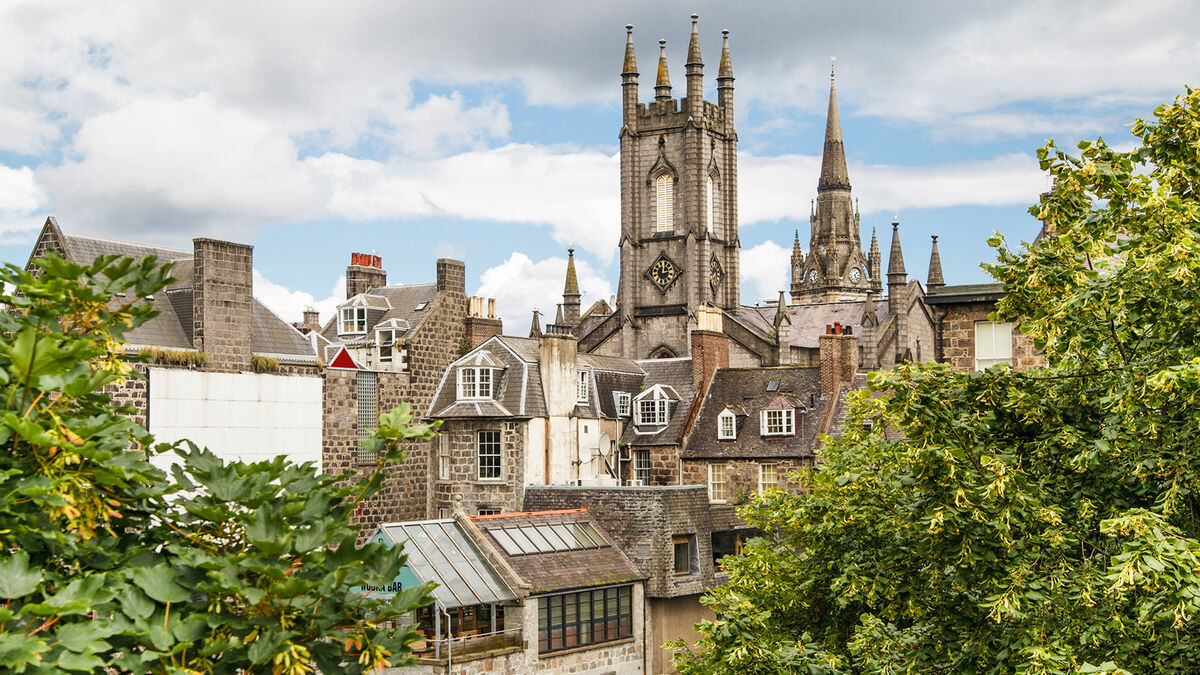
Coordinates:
<point>695,70</point>
<point>662,86</point>
<point>934,281</point>
<point>630,67</point>
<point>833,159</point>
<point>874,258</point>
<point>571,293</point>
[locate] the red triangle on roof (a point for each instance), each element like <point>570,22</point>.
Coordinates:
<point>343,360</point>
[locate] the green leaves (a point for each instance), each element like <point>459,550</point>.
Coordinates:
<point>1045,521</point>
<point>16,579</point>
<point>105,564</point>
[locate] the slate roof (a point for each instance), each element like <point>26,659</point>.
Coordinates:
<point>676,374</point>
<point>517,382</point>
<point>746,392</point>
<point>965,293</point>
<point>562,570</point>
<point>809,321</point>
<point>172,328</point>
<point>404,301</point>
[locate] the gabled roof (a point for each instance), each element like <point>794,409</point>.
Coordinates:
<point>747,392</point>
<point>390,302</point>
<point>557,569</point>
<point>809,321</point>
<point>965,293</point>
<point>172,328</point>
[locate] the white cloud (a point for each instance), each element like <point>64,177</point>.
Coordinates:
<point>572,191</point>
<point>766,270</point>
<point>290,305</point>
<point>183,168</point>
<point>441,124</point>
<point>520,286</point>
<point>771,188</point>
<point>20,198</point>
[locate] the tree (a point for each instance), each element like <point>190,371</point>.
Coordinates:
<point>1045,521</point>
<point>105,563</point>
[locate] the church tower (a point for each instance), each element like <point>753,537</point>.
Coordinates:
<point>679,231</point>
<point>835,267</point>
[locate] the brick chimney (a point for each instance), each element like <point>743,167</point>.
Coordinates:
<point>365,273</point>
<point>222,303</point>
<point>839,359</point>
<point>482,322</point>
<point>709,347</point>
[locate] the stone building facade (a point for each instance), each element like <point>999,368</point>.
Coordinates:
<point>966,336</point>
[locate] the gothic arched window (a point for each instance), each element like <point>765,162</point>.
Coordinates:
<point>710,203</point>
<point>664,193</point>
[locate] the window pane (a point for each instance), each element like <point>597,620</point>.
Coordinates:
<point>506,542</point>
<point>521,540</point>
<point>489,454</point>
<point>538,540</point>
<point>665,207</point>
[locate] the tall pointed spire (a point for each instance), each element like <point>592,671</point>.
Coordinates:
<point>662,86</point>
<point>630,67</point>
<point>895,256</point>
<point>535,329</point>
<point>934,281</point>
<point>874,260</point>
<point>694,69</point>
<point>572,285</point>
<point>725,71</point>
<point>833,159</point>
<point>570,306</point>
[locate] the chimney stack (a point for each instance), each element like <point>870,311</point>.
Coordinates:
<point>311,322</point>
<point>222,303</point>
<point>482,322</point>
<point>709,346</point>
<point>839,359</point>
<point>364,274</point>
<point>451,275</point>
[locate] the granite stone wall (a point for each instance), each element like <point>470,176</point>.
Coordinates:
<point>958,338</point>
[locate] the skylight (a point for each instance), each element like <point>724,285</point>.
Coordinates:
<point>773,385</point>
<point>547,538</point>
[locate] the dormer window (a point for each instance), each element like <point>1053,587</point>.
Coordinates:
<point>623,403</point>
<point>652,412</point>
<point>352,321</point>
<point>391,347</point>
<point>779,422</point>
<point>726,425</point>
<point>582,393</point>
<point>474,383</point>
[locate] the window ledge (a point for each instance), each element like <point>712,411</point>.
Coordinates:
<point>583,648</point>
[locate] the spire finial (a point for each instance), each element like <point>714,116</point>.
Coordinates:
<point>571,287</point>
<point>895,257</point>
<point>693,58</point>
<point>630,67</point>
<point>935,280</point>
<point>832,67</point>
<point>662,86</point>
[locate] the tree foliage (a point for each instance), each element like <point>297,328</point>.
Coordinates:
<point>107,564</point>
<point>1044,521</point>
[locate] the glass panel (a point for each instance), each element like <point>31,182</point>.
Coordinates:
<point>543,625</point>
<point>510,547</point>
<point>538,540</point>
<point>582,535</point>
<point>595,536</point>
<point>570,620</point>
<point>521,540</point>
<point>553,537</point>
<point>564,533</point>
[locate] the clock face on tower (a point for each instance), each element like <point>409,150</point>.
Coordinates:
<point>813,276</point>
<point>662,272</point>
<point>715,273</point>
<point>855,275</point>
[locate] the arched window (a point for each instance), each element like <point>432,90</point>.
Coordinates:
<point>709,203</point>
<point>665,198</point>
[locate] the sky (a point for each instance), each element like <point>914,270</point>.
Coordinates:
<point>487,131</point>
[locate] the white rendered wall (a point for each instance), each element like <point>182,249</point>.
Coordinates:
<point>244,417</point>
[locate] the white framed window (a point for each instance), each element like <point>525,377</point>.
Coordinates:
<point>709,204</point>
<point>352,321</point>
<point>768,477</point>
<point>391,346</point>
<point>443,457</point>
<point>641,466</point>
<point>687,554</point>
<point>652,412</point>
<point>993,344</point>
<point>779,422</point>
<point>664,214</point>
<point>716,482</point>
<point>489,455</point>
<point>582,389</point>
<point>474,383</point>
<point>487,511</point>
<point>445,513</point>
<point>726,425</point>
<point>623,401</point>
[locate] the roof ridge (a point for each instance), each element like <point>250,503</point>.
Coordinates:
<point>127,243</point>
